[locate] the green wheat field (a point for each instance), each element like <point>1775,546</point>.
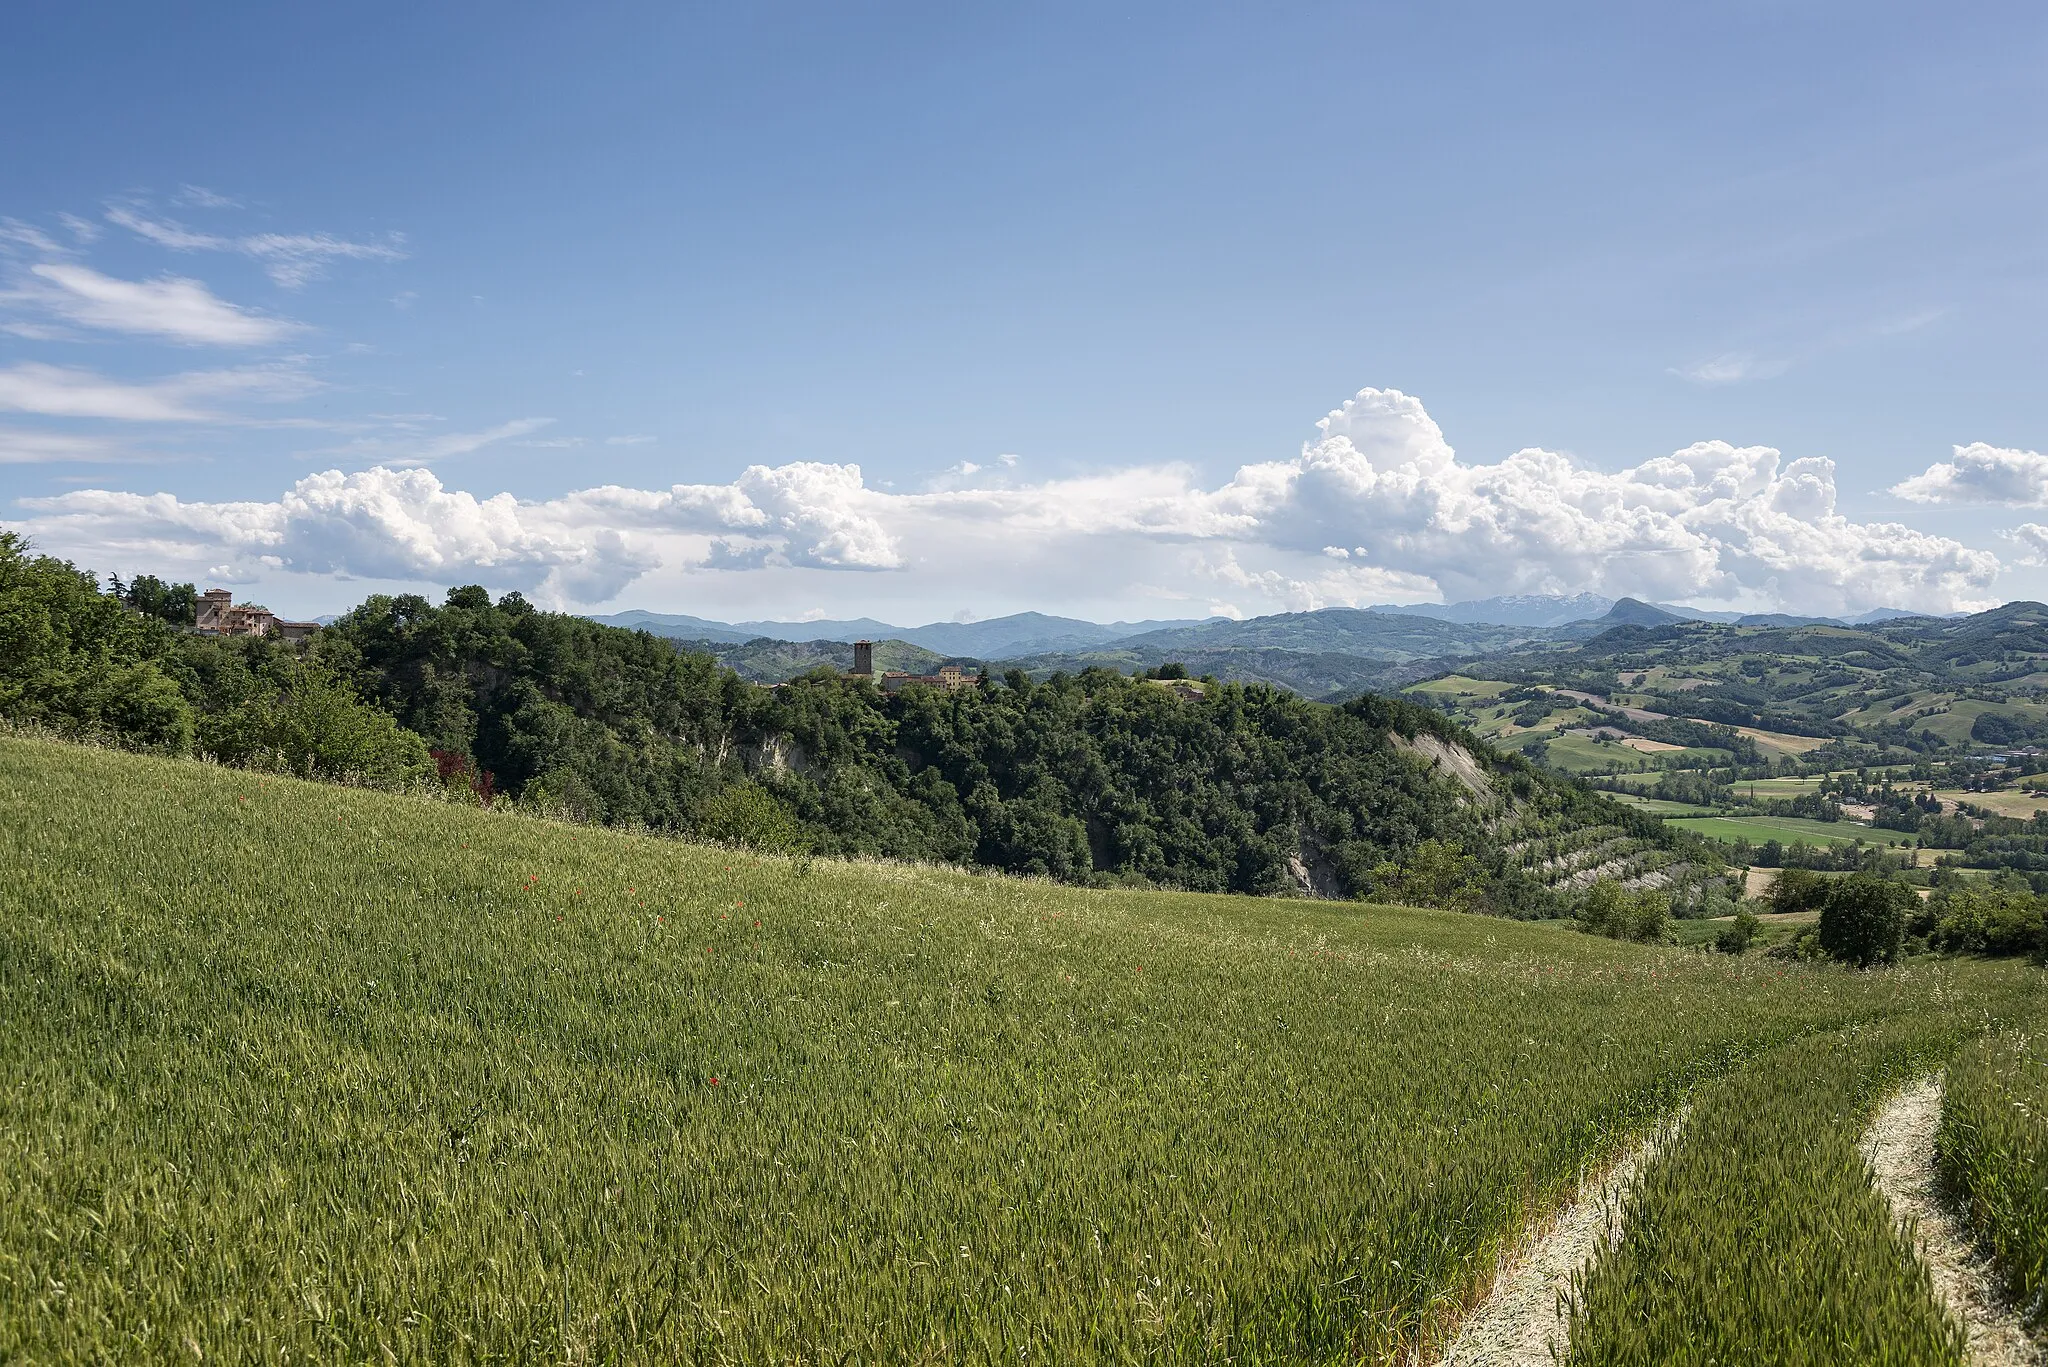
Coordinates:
<point>298,1073</point>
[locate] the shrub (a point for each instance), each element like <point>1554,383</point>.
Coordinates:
<point>1610,909</point>
<point>309,722</point>
<point>748,814</point>
<point>1985,918</point>
<point>1796,890</point>
<point>1736,938</point>
<point>1864,919</point>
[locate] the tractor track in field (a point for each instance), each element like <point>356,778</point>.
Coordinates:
<point>1900,1149</point>
<point>1521,1322</point>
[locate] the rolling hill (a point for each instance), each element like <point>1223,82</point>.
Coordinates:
<point>295,1071</point>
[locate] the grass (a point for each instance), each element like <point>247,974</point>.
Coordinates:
<point>1759,1238</point>
<point>1781,787</point>
<point>2004,802</point>
<point>1786,829</point>
<point>1992,1150</point>
<point>1780,742</point>
<point>305,1073</point>
<point>1580,755</point>
<point>1458,686</point>
<point>1663,806</point>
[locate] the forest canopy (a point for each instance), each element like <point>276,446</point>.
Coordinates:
<point>1093,777</point>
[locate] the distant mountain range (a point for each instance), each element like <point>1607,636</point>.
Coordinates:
<point>1338,629</point>
<point>1023,633</point>
<point>1329,652</point>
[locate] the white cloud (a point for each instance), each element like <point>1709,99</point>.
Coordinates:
<point>384,524</point>
<point>171,307</point>
<point>1732,367</point>
<point>290,259</point>
<point>67,392</point>
<point>2032,539</point>
<point>14,235</point>
<point>23,447</point>
<point>1980,473</point>
<point>200,197</point>
<point>408,451</point>
<point>1711,522</point>
<point>462,443</point>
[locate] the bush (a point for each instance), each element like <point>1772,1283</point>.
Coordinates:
<point>1796,890</point>
<point>1864,919</point>
<point>314,724</point>
<point>1610,909</point>
<point>1736,938</point>
<point>1985,918</point>
<point>747,814</point>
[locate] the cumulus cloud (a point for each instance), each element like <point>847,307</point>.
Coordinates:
<point>2032,539</point>
<point>1377,506</point>
<point>1980,473</point>
<point>382,524</point>
<point>290,259</point>
<point>171,307</point>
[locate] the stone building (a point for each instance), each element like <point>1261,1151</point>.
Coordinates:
<point>950,677</point>
<point>220,615</point>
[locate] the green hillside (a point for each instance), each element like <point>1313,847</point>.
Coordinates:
<point>1096,778</point>
<point>765,660</point>
<point>302,1072</point>
<point>1906,687</point>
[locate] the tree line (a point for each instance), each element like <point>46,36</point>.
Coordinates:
<point>1094,777</point>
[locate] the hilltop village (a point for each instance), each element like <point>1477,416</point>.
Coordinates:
<point>218,614</point>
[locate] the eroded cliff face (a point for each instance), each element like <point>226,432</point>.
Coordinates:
<point>1450,757</point>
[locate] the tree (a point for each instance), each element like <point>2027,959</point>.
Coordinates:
<point>1605,909</point>
<point>177,604</point>
<point>1987,918</point>
<point>1796,890</point>
<point>1610,909</point>
<point>1863,920</point>
<point>1735,939</point>
<point>1649,919</point>
<point>306,720</point>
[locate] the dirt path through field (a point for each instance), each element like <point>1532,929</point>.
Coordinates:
<point>1900,1148</point>
<point>1523,1316</point>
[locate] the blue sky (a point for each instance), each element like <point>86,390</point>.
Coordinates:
<point>605,302</point>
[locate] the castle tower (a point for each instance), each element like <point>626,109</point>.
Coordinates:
<point>864,658</point>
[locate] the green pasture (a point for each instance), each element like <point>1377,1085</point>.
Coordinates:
<point>1664,806</point>
<point>1786,829</point>
<point>1457,685</point>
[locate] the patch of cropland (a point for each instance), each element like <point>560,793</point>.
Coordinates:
<point>293,1071</point>
<point>1767,1189</point>
<point>1764,691</point>
<point>1992,1151</point>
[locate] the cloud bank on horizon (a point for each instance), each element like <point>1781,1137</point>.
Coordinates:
<point>1377,506</point>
